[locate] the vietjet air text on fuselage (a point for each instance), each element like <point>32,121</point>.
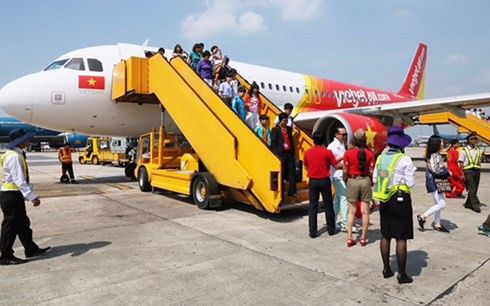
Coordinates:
<point>74,94</point>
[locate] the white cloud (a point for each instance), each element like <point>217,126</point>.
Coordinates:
<point>455,59</point>
<point>239,17</point>
<point>299,10</point>
<point>222,16</point>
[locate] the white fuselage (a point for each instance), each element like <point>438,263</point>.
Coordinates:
<point>52,98</point>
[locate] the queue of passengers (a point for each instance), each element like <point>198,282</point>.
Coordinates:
<point>360,178</point>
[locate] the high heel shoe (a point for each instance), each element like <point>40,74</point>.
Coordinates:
<point>351,243</point>
<point>364,242</point>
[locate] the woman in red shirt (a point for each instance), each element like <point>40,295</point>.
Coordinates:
<point>358,169</point>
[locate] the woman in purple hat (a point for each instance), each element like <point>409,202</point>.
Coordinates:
<point>393,177</point>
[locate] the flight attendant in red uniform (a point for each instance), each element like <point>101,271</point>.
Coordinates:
<point>456,179</point>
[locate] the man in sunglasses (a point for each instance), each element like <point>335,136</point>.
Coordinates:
<point>470,160</point>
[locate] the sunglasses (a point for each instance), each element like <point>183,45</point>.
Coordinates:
<point>342,134</point>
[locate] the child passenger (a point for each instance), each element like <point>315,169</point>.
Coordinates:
<point>238,104</point>
<point>254,105</point>
<point>263,129</point>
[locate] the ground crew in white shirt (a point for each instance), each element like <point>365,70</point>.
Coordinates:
<point>340,204</point>
<point>15,188</point>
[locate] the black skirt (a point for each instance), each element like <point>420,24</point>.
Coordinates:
<point>397,218</point>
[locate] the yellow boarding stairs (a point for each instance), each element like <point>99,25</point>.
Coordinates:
<point>226,154</point>
<point>465,125</point>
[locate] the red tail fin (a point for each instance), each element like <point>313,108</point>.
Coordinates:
<point>414,83</point>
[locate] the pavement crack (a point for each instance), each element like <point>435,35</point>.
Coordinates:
<point>451,289</point>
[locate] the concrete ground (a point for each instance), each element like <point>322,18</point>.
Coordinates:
<point>114,245</point>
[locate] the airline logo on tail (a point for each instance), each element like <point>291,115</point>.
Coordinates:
<point>413,85</point>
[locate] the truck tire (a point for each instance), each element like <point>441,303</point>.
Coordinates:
<point>82,160</point>
<point>205,191</point>
<point>129,171</point>
<point>143,180</point>
<point>95,160</point>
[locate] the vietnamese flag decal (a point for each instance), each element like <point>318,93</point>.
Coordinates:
<point>91,82</point>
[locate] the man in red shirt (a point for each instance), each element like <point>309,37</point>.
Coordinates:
<point>318,160</point>
<point>282,145</point>
<point>456,179</point>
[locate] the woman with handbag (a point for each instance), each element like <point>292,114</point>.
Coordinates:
<point>436,182</point>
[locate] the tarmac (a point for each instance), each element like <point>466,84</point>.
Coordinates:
<point>111,244</point>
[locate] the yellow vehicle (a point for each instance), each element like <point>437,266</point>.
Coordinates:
<point>225,159</point>
<point>104,150</point>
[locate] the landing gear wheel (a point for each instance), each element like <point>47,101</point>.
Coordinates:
<point>82,160</point>
<point>95,160</point>
<point>143,181</point>
<point>205,191</point>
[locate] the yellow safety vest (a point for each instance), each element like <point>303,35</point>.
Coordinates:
<point>385,166</point>
<point>8,154</point>
<point>472,164</point>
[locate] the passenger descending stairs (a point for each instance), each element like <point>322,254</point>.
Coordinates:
<point>465,125</point>
<point>228,148</point>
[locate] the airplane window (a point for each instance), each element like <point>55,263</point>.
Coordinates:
<point>270,86</point>
<point>316,92</point>
<point>262,85</point>
<point>297,90</point>
<point>56,65</point>
<point>284,88</point>
<point>277,87</point>
<point>75,63</point>
<point>291,88</point>
<point>94,65</point>
<point>306,90</point>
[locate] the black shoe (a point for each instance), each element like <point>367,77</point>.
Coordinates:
<point>37,252</point>
<point>404,279</point>
<point>333,232</point>
<point>461,196</point>
<point>387,273</point>
<point>421,221</point>
<point>467,207</point>
<point>313,236</point>
<point>12,261</point>
<point>74,182</point>
<point>476,209</point>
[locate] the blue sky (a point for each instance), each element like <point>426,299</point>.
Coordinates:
<point>368,43</point>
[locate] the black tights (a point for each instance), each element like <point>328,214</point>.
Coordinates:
<point>401,254</point>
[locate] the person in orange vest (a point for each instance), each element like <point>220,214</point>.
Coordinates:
<point>64,155</point>
<point>456,180</point>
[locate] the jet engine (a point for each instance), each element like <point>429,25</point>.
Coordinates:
<point>376,131</point>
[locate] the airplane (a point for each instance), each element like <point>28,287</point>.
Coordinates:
<point>73,93</point>
<point>54,139</point>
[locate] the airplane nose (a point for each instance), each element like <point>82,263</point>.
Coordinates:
<point>16,99</point>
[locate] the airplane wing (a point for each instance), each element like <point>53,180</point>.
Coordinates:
<point>456,105</point>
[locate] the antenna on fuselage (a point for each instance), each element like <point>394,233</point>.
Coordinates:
<point>145,43</point>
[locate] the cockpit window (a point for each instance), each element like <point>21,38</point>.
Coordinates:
<point>75,63</point>
<point>56,64</point>
<point>94,65</point>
